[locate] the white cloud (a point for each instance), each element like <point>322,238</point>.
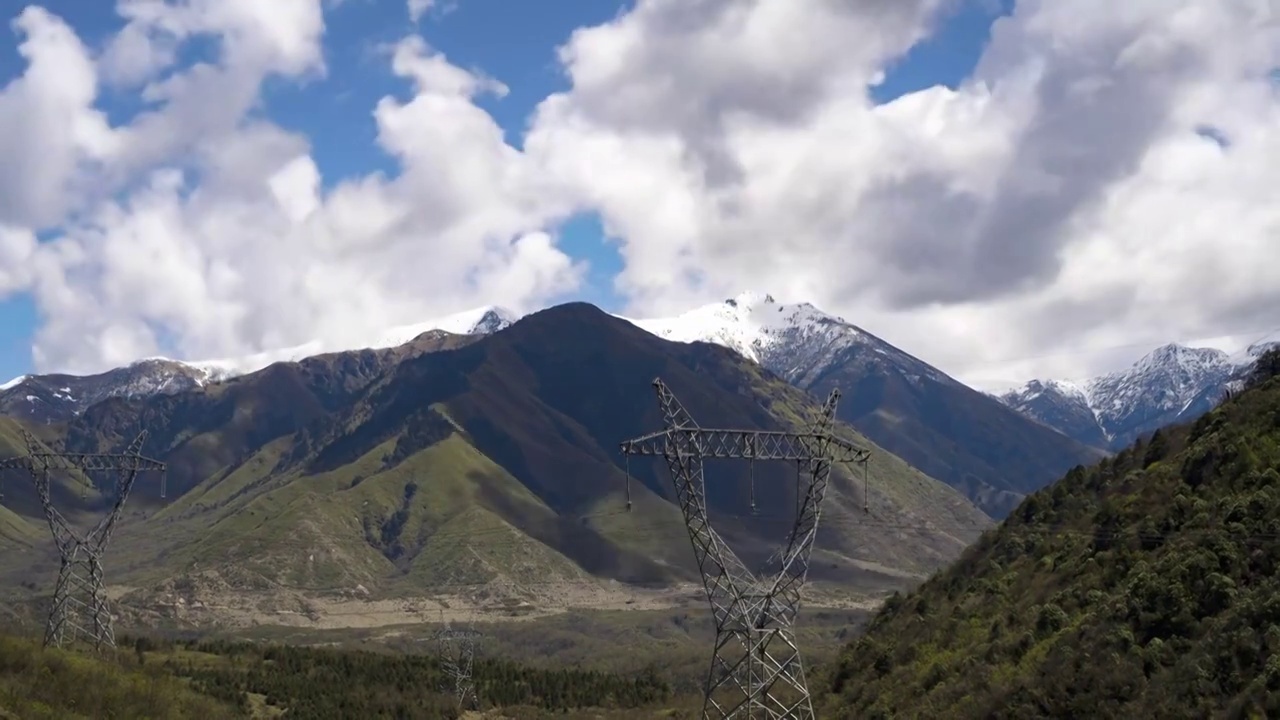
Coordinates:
<point>50,130</point>
<point>1058,200</point>
<point>224,240</point>
<point>418,8</point>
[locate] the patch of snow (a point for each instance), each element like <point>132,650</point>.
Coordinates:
<point>13,383</point>
<point>482,320</point>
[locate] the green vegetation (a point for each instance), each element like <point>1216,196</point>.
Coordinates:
<point>14,531</point>
<point>1146,586</point>
<point>323,683</point>
<point>211,680</point>
<point>37,683</point>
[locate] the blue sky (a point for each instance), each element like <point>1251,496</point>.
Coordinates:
<point>514,42</point>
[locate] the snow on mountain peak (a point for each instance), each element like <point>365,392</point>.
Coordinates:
<point>477,321</point>
<point>1171,382</point>
<point>1033,389</point>
<point>797,341</point>
<point>749,323</point>
<point>13,383</point>
<point>1180,358</point>
<point>160,370</point>
<point>1256,350</point>
<point>750,299</point>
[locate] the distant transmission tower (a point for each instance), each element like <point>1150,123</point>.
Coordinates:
<point>756,670</point>
<point>80,607</point>
<point>457,648</point>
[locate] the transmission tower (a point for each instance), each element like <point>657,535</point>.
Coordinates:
<point>457,648</point>
<point>80,608</point>
<point>756,670</point>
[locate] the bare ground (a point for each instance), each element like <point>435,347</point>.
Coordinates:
<point>207,599</point>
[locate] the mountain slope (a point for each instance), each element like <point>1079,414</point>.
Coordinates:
<point>494,462</point>
<point>948,430</point>
<point>1143,587</point>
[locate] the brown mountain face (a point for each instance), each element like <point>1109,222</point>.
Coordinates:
<point>965,438</point>
<point>962,437</point>
<point>358,469</point>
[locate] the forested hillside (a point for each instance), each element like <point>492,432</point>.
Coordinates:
<point>1145,586</point>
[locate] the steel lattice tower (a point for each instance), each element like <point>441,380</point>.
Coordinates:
<point>80,608</point>
<point>756,670</point>
<point>457,656</point>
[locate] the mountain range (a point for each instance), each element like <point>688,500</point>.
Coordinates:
<point>1171,384</point>
<point>484,464</point>
<point>945,428</point>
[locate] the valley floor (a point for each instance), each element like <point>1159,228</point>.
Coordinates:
<point>205,603</point>
<point>573,624</point>
<point>671,644</point>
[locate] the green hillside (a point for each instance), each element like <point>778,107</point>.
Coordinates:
<point>15,532</point>
<point>489,468</point>
<point>1146,586</point>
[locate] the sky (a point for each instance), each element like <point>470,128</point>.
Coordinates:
<point>1004,189</point>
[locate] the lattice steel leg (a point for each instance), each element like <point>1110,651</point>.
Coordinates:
<point>756,670</point>
<point>457,658</point>
<point>80,609</point>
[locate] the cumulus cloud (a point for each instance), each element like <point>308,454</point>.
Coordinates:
<point>1104,177</point>
<point>51,131</point>
<point>204,230</point>
<point>1060,198</point>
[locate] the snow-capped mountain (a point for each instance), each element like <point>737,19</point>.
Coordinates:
<point>1171,384</point>
<point>58,397</point>
<point>798,342</point>
<point>936,423</point>
<point>941,426</point>
<point>52,398</point>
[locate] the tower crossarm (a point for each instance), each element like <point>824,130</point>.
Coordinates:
<point>88,462</point>
<point>716,443</point>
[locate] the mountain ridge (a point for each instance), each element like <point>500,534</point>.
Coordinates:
<point>993,447</point>
<point>1172,383</point>
<point>948,430</point>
